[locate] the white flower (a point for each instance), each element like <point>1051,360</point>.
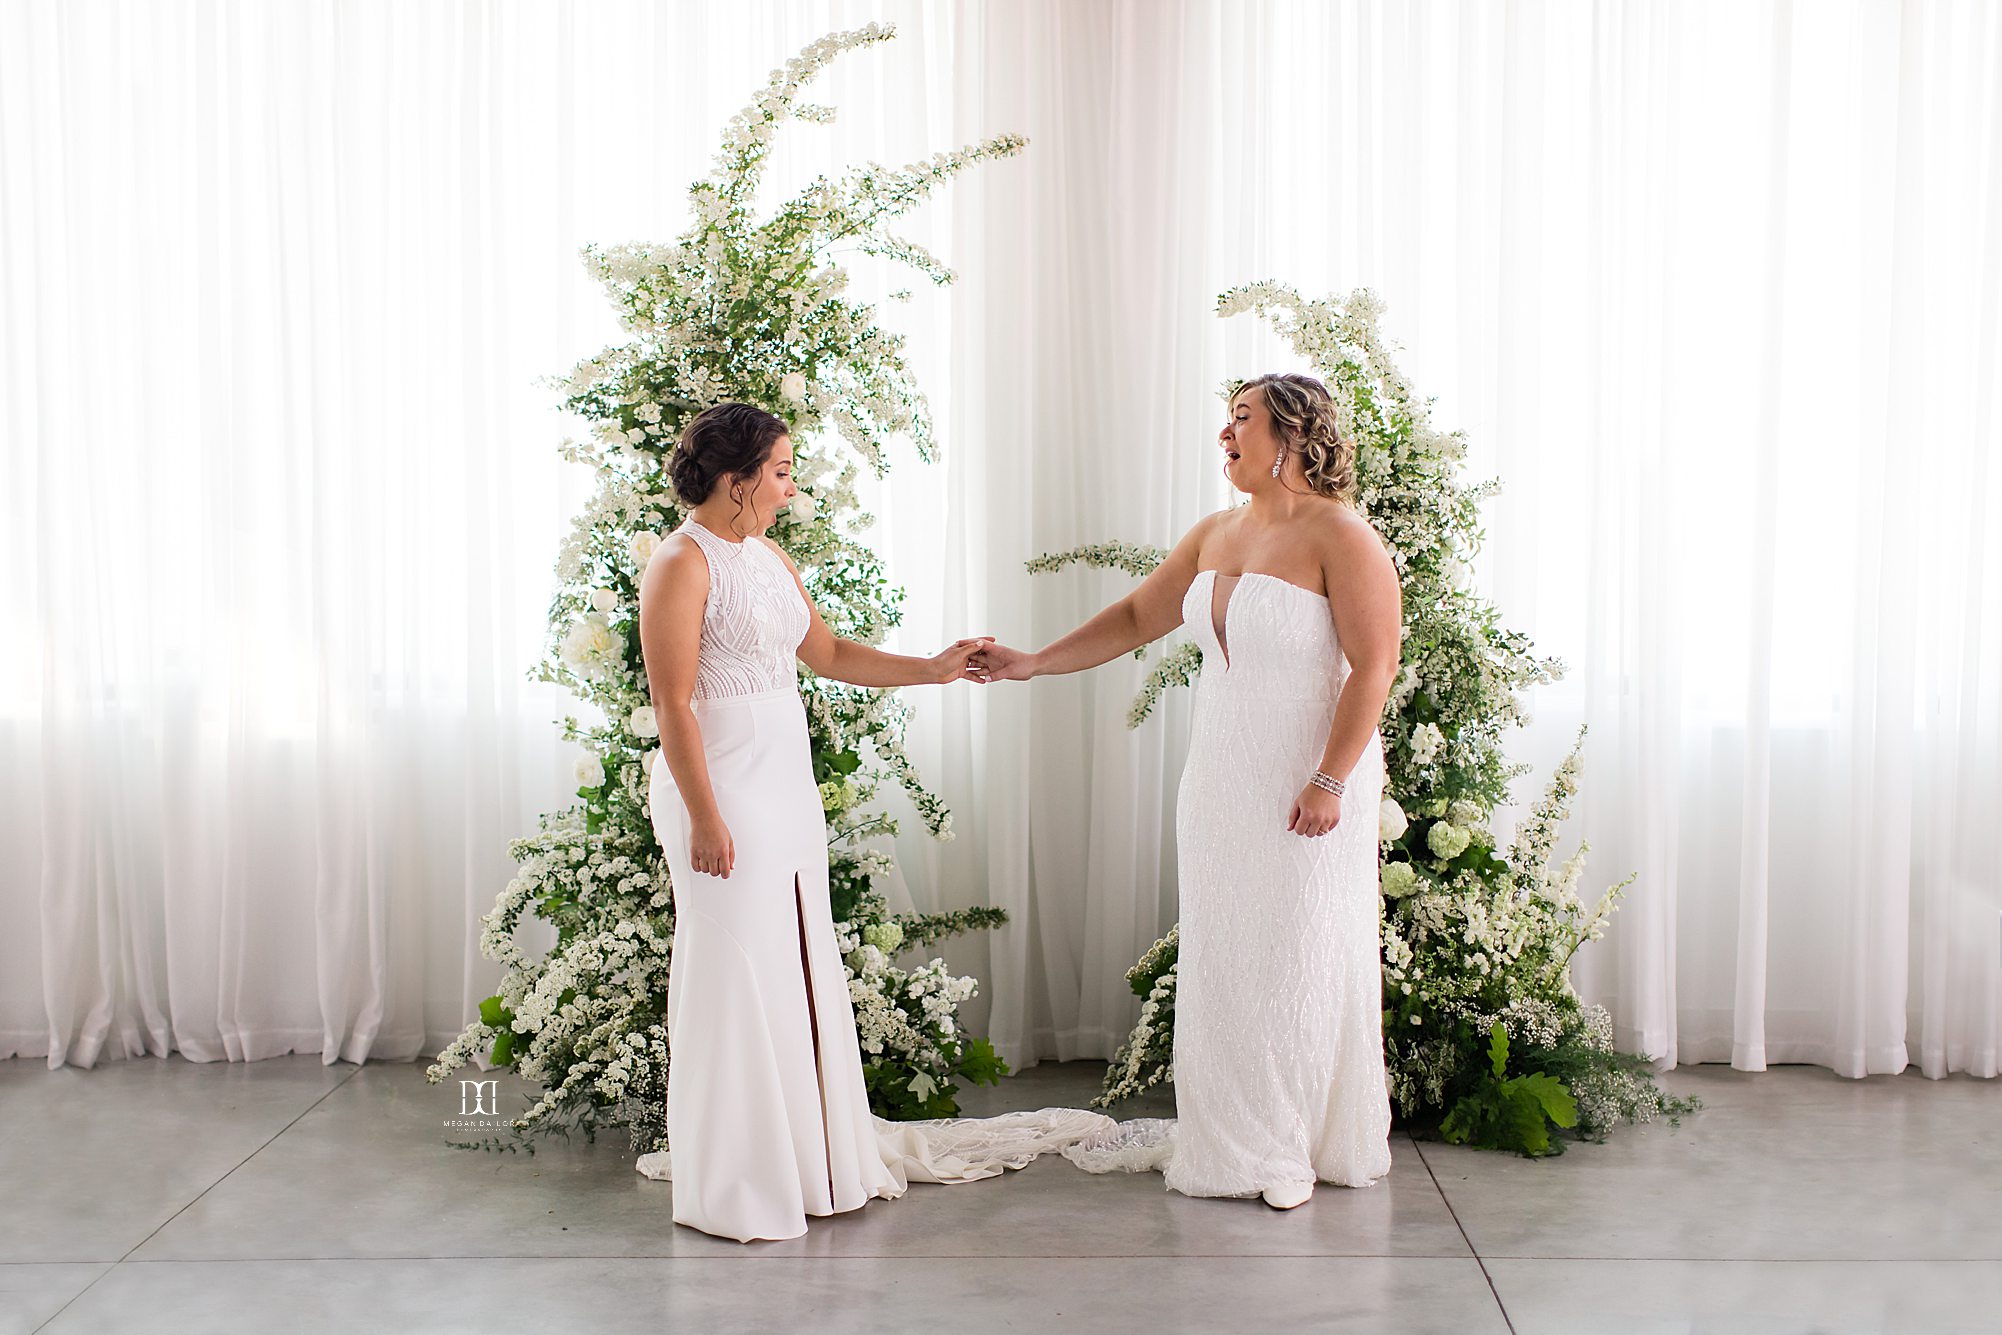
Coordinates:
<point>1447,840</point>
<point>1390,820</point>
<point>604,600</point>
<point>644,543</point>
<point>590,772</point>
<point>642,723</point>
<point>793,387</point>
<point>802,507</point>
<point>1399,879</point>
<point>1466,813</point>
<point>1406,685</point>
<point>1426,739</point>
<point>589,638</point>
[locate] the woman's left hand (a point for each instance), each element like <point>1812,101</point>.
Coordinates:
<point>1315,812</point>
<point>953,662</point>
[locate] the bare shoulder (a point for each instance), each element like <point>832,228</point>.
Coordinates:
<point>1212,526</point>
<point>678,560</point>
<point>1347,532</point>
<point>1349,544</point>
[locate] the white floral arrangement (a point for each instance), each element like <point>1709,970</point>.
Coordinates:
<point>1473,937</point>
<point>747,308</point>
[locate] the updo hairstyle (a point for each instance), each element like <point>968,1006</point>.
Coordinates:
<point>728,440</point>
<point>1303,414</point>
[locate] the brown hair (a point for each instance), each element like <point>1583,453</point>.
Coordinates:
<point>1303,412</point>
<point>730,439</point>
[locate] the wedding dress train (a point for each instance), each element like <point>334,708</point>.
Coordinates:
<point>1278,1071</point>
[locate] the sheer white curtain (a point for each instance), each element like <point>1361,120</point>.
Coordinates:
<point>1713,286</point>
<point>282,493</point>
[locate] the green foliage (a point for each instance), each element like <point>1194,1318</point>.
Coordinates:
<point>1505,1112</point>
<point>928,929</point>
<point>898,1096</point>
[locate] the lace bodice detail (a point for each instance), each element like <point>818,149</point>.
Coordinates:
<point>754,621</point>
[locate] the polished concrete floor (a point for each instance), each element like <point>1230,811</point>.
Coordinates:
<point>284,1196</point>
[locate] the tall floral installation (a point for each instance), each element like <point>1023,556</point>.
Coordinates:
<point>752,309</point>
<point>1486,1040</point>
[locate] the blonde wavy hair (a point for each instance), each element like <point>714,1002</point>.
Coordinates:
<point>1303,412</point>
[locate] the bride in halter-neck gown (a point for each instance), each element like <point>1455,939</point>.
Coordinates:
<point>768,1119</point>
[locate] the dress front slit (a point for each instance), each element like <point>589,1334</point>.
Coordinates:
<point>813,1029</point>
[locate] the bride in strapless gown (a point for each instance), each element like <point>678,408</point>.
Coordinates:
<point>1278,1049</point>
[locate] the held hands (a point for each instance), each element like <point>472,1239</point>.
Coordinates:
<point>710,848</point>
<point>997,662</point>
<point>1315,812</point>
<point>956,660</point>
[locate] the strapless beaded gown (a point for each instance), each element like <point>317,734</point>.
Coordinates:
<point>1279,1072</point>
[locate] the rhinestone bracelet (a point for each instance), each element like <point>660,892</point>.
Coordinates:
<point>1328,783</point>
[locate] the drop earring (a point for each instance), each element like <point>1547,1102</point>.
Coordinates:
<point>1277,460</point>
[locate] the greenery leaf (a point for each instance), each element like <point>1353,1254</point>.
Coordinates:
<point>1552,1098</point>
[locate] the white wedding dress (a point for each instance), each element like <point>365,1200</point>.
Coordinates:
<point>767,1117</point>
<point>1279,1073</point>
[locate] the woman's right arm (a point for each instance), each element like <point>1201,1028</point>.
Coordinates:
<point>674,588</point>
<point>1141,617</point>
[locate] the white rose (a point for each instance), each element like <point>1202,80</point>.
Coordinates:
<point>589,638</point>
<point>1390,820</point>
<point>604,600</point>
<point>644,543</point>
<point>1455,571</point>
<point>643,723</point>
<point>802,507</point>
<point>793,387</point>
<point>590,772</point>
